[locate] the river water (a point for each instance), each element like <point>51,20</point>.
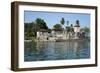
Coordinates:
<point>43,51</point>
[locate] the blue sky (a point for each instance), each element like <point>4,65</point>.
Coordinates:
<point>52,18</point>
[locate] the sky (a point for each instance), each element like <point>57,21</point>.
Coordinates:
<point>52,18</point>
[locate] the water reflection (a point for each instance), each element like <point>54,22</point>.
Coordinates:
<point>40,51</point>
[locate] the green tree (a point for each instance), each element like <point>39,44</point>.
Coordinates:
<point>57,27</point>
<point>49,30</point>
<point>62,21</point>
<point>28,27</point>
<point>28,31</point>
<point>67,27</point>
<point>86,30</point>
<point>71,28</point>
<point>41,24</point>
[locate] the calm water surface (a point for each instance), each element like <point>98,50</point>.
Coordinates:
<point>40,51</point>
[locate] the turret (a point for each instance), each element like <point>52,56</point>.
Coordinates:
<point>77,29</point>
<point>77,26</point>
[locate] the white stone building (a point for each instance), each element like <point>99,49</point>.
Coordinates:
<point>60,34</point>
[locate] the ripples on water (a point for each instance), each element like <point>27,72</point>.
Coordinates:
<point>40,51</point>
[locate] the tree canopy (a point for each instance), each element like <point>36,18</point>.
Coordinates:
<point>57,27</point>
<point>41,24</point>
<point>85,29</point>
<point>33,27</point>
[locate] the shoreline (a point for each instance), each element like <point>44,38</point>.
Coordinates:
<point>57,40</point>
<point>27,40</point>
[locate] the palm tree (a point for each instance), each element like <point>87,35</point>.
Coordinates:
<point>71,28</point>
<point>62,21</point>
<point>68,28</point>
<point>67,23</point>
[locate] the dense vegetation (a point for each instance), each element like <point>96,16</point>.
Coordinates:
<point>40,25</point>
